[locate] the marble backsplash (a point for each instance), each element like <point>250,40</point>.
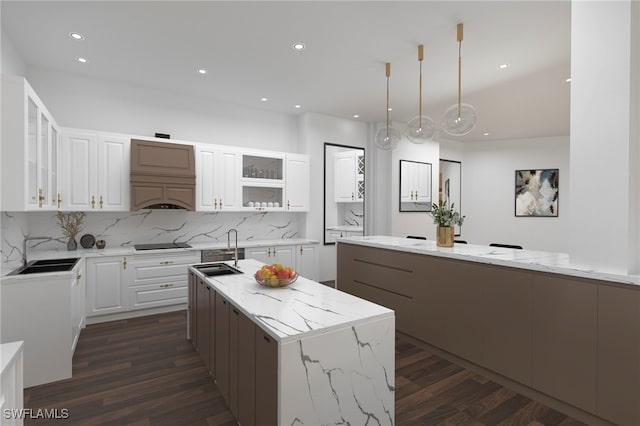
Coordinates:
<point>144,226</point>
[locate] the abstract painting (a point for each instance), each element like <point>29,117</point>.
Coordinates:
<point>537,192</point>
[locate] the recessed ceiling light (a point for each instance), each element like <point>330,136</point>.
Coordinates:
<point>485,134</point>
<point>297,106</point>
<point>298,46</point>
<point>81,59</point>
<point>76,36</point>
<point>567,80</point>
<point>502,66</point>
<point>356,116</point>
<point>202,71</point>
<point>264,99</point>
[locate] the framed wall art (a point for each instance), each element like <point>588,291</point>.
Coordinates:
<point>537,193</point>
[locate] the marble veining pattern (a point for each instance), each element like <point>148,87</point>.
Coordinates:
<point>145,226</point>
<point>525,259</point>
<point>305,308</point>
<point>344,377</point>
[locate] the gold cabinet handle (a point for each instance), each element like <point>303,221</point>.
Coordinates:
<point>411,195</point>
<point>353,196</point>
<point>101,202</point>
<point>288,204</point>
<point>416,195</point>
<point>215,204</point>
<point>93,202</point>
<point>79,276</point>
<point>300,249</point>
<point>269,252</point>
<point>220,203</point>
<point>40,198</point>
<point>166,262</point>
<point>166,285</point>
<point>59,200</point>
<point>124,263</point>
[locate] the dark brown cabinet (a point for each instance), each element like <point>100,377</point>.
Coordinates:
<point>266,379</point>
<point>212,332</point>
<point>202,318</point>
<point>191,306</point>
<point>565,339</point>
<point>619,354</point>
<point>574,339</point>
<point>234,318</point>
<point>242,359</point>
<point>247,371</point>
<point>222,346</point>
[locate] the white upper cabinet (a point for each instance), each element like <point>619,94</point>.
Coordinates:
<point>30,160</point>
<point>297,182</point>
<point>97,172</point>
<point>217,183</point>
<point>415,182</point>
<point>349,176</point>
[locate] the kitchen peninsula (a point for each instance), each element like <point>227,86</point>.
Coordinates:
<point>302,354</point>
<point>561,331</point>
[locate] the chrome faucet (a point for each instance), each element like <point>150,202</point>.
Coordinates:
<point>235,253</point>
<point>24,247</point>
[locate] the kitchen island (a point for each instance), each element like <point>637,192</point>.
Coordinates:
<point>302,354</point>
<point>567,335</point>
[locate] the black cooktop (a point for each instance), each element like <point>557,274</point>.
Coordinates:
<point>160,246</point>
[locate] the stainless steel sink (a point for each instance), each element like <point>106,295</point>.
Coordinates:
<point>216,269</point>
<point>46,265</point>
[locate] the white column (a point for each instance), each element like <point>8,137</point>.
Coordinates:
<point>603,231</point>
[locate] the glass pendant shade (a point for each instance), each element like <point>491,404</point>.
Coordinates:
<point>387,139</point>
<point>420,129</point>
<point>459,119</point>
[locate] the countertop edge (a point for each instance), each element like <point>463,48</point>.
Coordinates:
<point>444,252</point>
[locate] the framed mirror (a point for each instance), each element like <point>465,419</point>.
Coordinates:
<point>343,191</point>
<point>415,186</point>
<point>450,186</point>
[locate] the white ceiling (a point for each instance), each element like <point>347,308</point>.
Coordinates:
<point>247,49</point>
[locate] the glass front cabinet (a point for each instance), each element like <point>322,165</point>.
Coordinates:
<point>30,149</point>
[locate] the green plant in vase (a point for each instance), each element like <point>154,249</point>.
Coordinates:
<point>446,218</point>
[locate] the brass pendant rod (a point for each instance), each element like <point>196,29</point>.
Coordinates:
<point>420,58</point>
<point>460,36</point>
<point>388,74</point>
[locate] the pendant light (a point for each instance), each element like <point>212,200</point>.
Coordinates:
<point>420,129</point>
<point>388,138</point>
<point>461,118</point>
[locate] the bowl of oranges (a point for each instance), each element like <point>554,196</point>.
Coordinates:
<point>276,275</point>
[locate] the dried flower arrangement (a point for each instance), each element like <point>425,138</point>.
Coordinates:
<point>71,223</point>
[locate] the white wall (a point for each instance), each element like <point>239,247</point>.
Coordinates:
<point>604,135</point>
<point>96,104</point>
<point>314,131</point>
<point>12,62</point>
<point>413,223</point>
<point>488,193</point>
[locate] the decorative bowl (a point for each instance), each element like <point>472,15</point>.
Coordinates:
<point>277,283</point>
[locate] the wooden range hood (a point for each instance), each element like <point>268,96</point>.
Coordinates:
<point>162,176</point>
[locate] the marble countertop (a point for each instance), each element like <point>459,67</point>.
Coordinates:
<point>557,263</point>
<point>8,267</point>
<point>303,308</point>
<point>351,228</point>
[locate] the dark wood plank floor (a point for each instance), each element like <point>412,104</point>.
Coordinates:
<point>143,371</point>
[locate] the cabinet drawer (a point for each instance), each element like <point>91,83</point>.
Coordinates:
<point>154,295</point>
<point>161,269</point>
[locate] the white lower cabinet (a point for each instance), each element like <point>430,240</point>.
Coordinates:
<point>307,261</point>
<point>271,254</point>
<point>159,279</point>
<point>78,302</point>
<point>304,257</point>
<point>106,285</point>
